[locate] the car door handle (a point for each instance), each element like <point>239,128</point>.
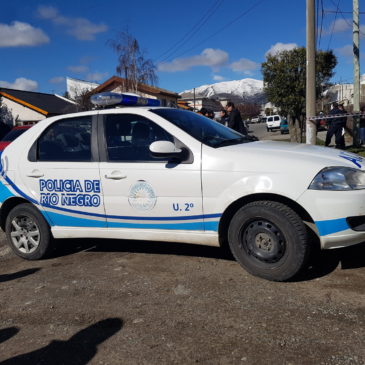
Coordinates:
<point>115,175</point>
<point>35,173</point>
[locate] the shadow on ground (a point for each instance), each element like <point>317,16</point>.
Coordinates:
<point>69,247</point>
<point>321,263</point>
<point>78,350</point>
<point>324,262</point>
<point>7,333</point>
<point>17,275</point>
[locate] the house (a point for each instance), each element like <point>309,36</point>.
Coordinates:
<point>28,107</point>
<point>181,104</point>
<point>76,87</point>
<point>116,84</point>
<point>203,102</point>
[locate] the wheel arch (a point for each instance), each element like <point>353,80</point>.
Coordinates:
<point>236,205</point>
<point>7,206</point>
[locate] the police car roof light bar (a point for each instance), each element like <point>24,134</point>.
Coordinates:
<point>114,99</point>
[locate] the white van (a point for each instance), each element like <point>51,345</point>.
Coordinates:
<point>273,122</point>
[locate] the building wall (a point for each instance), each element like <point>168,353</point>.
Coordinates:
<point>207,103</point>
<point>22,113</point>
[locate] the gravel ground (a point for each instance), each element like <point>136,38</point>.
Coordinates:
<point>125,302</point>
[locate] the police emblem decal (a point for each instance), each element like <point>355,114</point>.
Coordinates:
<point>141,196</point>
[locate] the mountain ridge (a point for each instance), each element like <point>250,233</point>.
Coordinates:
<point>245,90</point>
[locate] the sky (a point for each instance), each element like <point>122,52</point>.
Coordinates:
<point>191,42</point>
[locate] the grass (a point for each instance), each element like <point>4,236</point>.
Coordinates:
<point>358,150</point>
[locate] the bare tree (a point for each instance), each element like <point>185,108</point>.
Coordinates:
<point>5,114</point>
<point>248,110</point>
<point>132,65</point>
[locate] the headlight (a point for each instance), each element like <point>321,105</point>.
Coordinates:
<point>339,178</point>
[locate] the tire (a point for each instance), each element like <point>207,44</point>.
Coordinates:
<point>269,240</point>
<point>28,233</point>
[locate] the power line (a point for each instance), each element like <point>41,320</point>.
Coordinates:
<point>188,35</point>
<point>321,27</point>
<point>334,22</point>
<point>342,14</point>
<point>223,28</point>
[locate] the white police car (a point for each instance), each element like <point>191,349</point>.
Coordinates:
<point>171,175</point>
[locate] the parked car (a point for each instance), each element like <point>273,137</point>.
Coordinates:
<point>12,135</point>
<point>284,127</point>
<point>273,122</point>
<point>165,174</point>
<point>322,124</point>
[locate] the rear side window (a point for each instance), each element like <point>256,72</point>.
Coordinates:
<point>66,140</point>
<point>276,118</point>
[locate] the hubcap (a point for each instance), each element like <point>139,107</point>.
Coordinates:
<point>264,241</point>
<point>25,234</point>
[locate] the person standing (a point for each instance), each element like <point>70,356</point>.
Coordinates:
<point>204,111</point>
<point>235,121</point>
<point>336,127</point>
<point>224,118</point>
<point>362,125</point>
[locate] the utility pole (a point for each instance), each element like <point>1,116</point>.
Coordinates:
<point>194,99</point>
<point>311,128</point>
<point>356,52</point>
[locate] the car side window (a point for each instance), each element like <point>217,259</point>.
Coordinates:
<point>129,136</point>
<point>66,140</point>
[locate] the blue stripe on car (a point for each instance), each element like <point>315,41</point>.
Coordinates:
<point>331,226</point>
<point>69,221</point>
<point>66,220</point>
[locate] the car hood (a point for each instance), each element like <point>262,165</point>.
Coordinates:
<point>288,167</point>
<point>296,154</point>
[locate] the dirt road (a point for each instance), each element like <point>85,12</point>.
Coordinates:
<point>125,302</point>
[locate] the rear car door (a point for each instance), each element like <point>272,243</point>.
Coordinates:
<point>61,173</point>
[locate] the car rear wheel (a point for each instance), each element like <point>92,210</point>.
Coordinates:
<point>269,240</point>
<point>28,233</point>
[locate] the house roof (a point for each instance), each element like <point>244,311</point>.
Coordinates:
<point>46,104</point>
<point>115,81</point>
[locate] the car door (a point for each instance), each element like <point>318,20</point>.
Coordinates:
<point>62,175</point>
<point>143,192</point>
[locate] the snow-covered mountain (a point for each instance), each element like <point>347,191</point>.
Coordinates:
<point>245,90</point>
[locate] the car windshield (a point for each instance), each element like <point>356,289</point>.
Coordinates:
<point>205,130</point>
<point>15,133</point>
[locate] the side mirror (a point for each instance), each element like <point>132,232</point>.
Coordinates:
<point>165,149</point>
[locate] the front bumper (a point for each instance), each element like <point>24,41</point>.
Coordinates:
<point>337,216</point>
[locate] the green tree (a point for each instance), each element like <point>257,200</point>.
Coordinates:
<point>133,65</point>
<point>285,83</point>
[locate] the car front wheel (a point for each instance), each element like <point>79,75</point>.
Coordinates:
<point>269,240</point>
<point>27,232</point>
